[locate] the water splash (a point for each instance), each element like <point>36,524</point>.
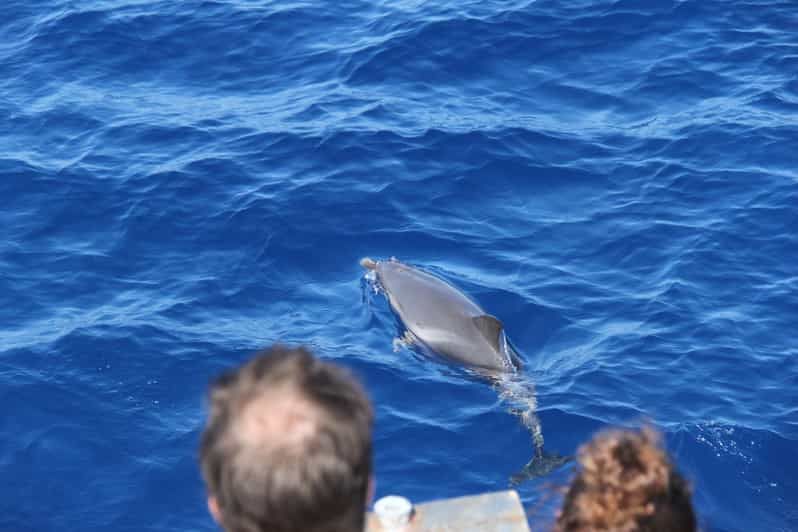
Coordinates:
<point>518,391</point>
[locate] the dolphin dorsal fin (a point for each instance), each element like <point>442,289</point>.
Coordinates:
<point>491,329</point>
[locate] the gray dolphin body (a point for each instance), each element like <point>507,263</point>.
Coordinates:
<point>449,323</point>
<point>444,319</point>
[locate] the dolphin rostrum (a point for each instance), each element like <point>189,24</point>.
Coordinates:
<point>440,317</point>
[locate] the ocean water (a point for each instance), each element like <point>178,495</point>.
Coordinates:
<point>184,183</point>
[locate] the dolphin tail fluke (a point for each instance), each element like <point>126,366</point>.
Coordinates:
<point>541,465</point>
<point>368,263</point>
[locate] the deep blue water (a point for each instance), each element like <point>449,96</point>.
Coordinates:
<point>186,182</point>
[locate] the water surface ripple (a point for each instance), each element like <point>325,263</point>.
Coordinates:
<point>185,182</point>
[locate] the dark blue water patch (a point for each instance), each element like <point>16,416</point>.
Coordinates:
<point>724,451</point>
<point>154,45</point>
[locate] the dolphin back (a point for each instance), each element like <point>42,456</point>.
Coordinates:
<point>443,318</point>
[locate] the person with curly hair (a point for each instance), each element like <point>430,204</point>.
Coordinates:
<point>626,483</point>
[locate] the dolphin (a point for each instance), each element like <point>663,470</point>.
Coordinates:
<point>446,321</point>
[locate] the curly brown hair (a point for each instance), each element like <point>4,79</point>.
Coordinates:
<point>626,483</point>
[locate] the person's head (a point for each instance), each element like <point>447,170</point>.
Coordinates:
<point>287,446</point>
<point>626,483</point>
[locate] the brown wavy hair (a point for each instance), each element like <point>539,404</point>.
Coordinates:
<point>626,483</point>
